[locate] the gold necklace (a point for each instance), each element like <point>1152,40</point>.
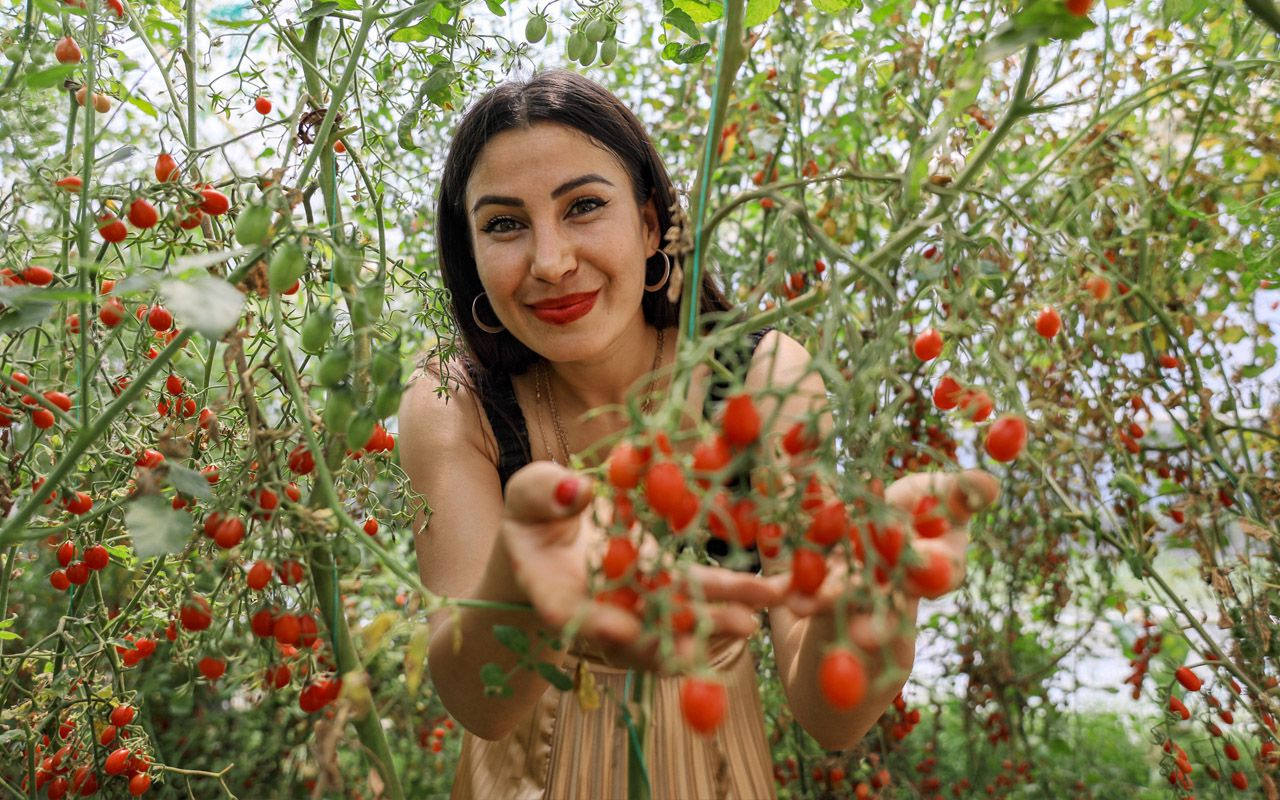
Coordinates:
<point>544,379</point>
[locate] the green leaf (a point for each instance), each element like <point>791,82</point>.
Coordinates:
<point>496,7</point>
<point>417,33</point>
<point>52,76</point>
<point>143,106</point>
<point>411,14</point>
<point>512,638</point>
<point>1221,260</point>
<point>681,21</point>
<point>12,635</point>
<point>1038,21</point>
<point>24,316</point>
<point>693,53</point>
<point>835,6</point>
<point>881,13</point>
<point>759,10</point>
<point>206,304</point>
<point>698,11</point>
<point>156,527</point>
<point>554,676</point>
<point>189,482</point>
<point>318,10</point>
<point>494,678</point>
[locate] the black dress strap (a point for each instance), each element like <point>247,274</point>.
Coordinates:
<point>498,397</point>
<point>737,362</point>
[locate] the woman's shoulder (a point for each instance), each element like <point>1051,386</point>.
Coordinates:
<point>441,408</point>
<point>778,358</point>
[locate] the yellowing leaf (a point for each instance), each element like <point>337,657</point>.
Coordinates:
<point>588,695</point>
<point>415,658</point>
<point>377,629</point>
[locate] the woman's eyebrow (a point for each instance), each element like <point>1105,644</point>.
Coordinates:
<point>559,191</point>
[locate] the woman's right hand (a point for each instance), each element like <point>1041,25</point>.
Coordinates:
<point>551,546</point>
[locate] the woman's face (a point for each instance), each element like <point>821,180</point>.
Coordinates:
<point>559,240</point>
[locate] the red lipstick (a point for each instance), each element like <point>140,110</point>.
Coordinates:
<point>565,309</point>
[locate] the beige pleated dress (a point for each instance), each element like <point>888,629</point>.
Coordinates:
<point>561,751</point>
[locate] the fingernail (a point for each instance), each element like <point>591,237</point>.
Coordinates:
<point>566,491</point>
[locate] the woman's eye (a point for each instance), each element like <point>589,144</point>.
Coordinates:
<point>499,225</point>
<point>586,204</point>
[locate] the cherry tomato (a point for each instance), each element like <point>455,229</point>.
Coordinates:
<point>928,344</point>
<point>842,679</point>
<point>703,704</point>
<point>1006,438</point>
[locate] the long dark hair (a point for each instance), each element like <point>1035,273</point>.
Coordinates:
<point>568,99</point>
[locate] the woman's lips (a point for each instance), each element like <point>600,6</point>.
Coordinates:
<point>566,314</point>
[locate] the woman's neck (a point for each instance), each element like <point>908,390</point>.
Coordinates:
<point>609,378</point>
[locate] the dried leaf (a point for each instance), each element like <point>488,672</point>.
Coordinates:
<point>588,695</point>
<point>1254,530</point>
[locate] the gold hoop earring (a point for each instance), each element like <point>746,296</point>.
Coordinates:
<point>482,326</point>
<point>665,275</point>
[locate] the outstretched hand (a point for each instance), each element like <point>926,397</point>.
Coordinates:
<point>960,495</point>
<point>551,540</point>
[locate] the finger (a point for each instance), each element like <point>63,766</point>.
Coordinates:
<point>971,491</point>
<point>756,591</point>
<point>611,625</point>
<point>545,492</point>
<point>733,619</point>
<point>938,579</point>
<point>964,493</point>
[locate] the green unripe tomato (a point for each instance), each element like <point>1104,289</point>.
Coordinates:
<point>372,293</point>
<point>535,28</point>
<point>346,264</point>
<point>253,225</point>
<point>576,45</point>
<point>386,364</point>
<point>361,428</point>
<point>286,267</point>
<point>608,51</point>
<point>387,401</point>
<point>334,367</point>
<point>588,54</point>
<point>404,131</point>
<point>596,30</point>
<point>316,329</point>
<point>13,52</point>
<point>339,408</point>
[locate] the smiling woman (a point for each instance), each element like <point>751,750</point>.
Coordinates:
<point>551,216</point>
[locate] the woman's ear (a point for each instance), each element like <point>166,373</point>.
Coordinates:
<point>652,233</point>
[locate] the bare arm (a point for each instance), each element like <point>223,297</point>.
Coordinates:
<point>460,556</point>
<point>804,628</point>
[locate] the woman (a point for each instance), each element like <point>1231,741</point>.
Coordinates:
<point>552,211</point>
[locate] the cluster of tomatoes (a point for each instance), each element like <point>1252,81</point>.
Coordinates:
<point>73,571</point>
<point>188,211</point>
<point>1145,647</point>
<point>432,736</point>
<point>69,771</point>
<point>1007,436</point>
<point>43,411</point>
<point>1178,768</point>
<point>746,498</point>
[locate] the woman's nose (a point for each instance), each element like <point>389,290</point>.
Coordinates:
<point>553,257</point>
